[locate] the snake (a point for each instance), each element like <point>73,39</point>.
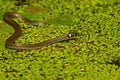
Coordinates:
<point>10,42</point>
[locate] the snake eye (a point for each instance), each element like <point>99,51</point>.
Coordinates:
<point>72,34</point>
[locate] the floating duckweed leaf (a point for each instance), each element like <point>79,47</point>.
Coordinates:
<point>1,15</point>
<point>34,16</point>
<point>5,29</point>
<point>36,9</point>
<point>2,43</point>
<point>61,20</point>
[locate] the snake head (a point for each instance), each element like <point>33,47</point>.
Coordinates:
<point>73,34</point>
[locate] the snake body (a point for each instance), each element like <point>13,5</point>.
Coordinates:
<point>10,42</point>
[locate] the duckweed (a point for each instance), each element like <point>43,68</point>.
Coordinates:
<point>90,56</point>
